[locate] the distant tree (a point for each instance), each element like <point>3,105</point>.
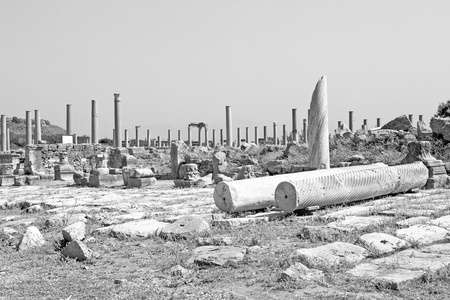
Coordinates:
<point>106,141</point>
<point>443,110</point>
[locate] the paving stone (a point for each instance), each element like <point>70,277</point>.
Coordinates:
<point>75,231</point>
<point>217,255</point>
<point>360,223</point>
<point>17,223</point>
<point>301,272</point>
<point>437,248</point>
<point>423,234</point>
<point>324,233</point>
<point>443,222</point>
<point>140,228</point>
<point>32,238</point>
<point>356,210</point>
<point>407,212</point>
<point>77,250</point>
<point>233,222</point>
<point>215,240</point>
<point>132,216</point>
<point>272,215</point>
<point>7,180</point>
<point>64,219</point>
<point>330,255</point>
<point>185,226</point>
<point>412,221</point>
<point>142,182</point>
<point>382,243</point>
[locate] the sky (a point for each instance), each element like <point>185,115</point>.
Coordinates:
<point>177,62</point>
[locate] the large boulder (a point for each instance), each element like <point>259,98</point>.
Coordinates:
<point>441,126</point>
<point>399,123</point>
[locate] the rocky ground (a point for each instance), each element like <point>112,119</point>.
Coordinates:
<point>141,244</point>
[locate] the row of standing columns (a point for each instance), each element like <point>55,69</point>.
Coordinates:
<point>378,122</point>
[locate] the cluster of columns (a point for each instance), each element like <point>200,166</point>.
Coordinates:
<point>364,126</point>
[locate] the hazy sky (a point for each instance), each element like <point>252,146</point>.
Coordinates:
<point>176,62</point>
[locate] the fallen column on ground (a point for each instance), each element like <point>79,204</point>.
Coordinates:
<point>251,194</point>
<point>341,185</point>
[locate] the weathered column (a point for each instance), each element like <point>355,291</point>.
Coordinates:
<point>179,134</point>
<point>246,134</point>
<point>294,125</point>
<point>159,141</point>
<point>221,137</point>
<point>350,120</point>
<point>199,136</point>
<point>256,135</point>
<point>284,134</point>
<point>410,117</point>
<point>339,124</point>
<point>229,126</point>
<point>189,136</point>
<point>213,137</point>
<point>75,138</point>
<point>94,122</point>
<point>8,140</point>
<point>148,138</point>
<point>265,133</point>
<point>206,137</point>
<point>378,122</point>
<point>238,137</point>
<point>69,119</point>
<point>114,137</point>
<point>126,138</point>
<point>3,121</point>
<point>117,136</point>
<point>137,135</point>
<point>318,145</point>
<point>421,118</point>
<point>28,128</point>
<point>169,138</point>
<point>305,138</point>
<point>365,122</point>
<point>37,127</point>
<point>274,132</point>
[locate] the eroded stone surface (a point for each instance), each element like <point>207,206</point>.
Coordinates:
<point>141,228</point>
<point>185,226</point>
<point>423,234</point>
<point>299,271</point>
<point>32,238</point>
<point>75,231</point>
<point>217,255</point>
<point>77,250</point>
<point>382,243</point>
<point>360,223</point>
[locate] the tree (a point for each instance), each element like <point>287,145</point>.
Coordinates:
<point>443,110</point>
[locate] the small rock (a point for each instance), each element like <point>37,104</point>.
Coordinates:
<point>215,240</point>
<point>75,231</point>
<point>77,250</point>
<point>185,226</point>
<point>299,271</point>
<point>34,208</point>
<point>32,238</point>
<point>179,271</point>
<point>217,255</point>
<point>423,234</point>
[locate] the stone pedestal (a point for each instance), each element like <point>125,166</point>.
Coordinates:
<point>177,151</point>
<point>33,160</point>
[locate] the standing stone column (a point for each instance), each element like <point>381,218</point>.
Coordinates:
<point>117,137</point>
<point>410,117</point>
<point>274,132</point>
<point>214,138</point>
<point>169,138</point>
<point>8,140</point>
<point>69,119</point>
<point>378,122</point>
<point>350,120</point>
<point>365,122</point>
<point>265,133</point>
<point>246,134</point>
<point>284,134</point>
<point>137,136</point>
<point>148,138</point>
<point>159,141</point>
<point>256,135</point>
<point>339,124</point>
<point>206,137</point>
<point>28,133</point>
<point>221,137</point>
<point>3,121</point>
<point>114,137</point>
<point>318,146</point>
<point>189,136</point>
<point>238,137</point>
<point>94,122</point>
<point>229,126</point>
<point>75,138</point>
<point>199,136</point>
<point>294,125</point>
<point>126,137</point>
<point>179,134</point>
<point>305,134</point>
<point>37,127</point>
<point>421,118</point>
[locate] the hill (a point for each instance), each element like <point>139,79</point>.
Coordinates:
<point>17,126</point>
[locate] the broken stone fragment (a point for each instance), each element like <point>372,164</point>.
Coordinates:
<point>75,231</point>
<point>299,271</point>
<point>179,271</point>
<point>32,238</point>
<point>185,226</point>
<point>217,255</point>
<point>77,250</point>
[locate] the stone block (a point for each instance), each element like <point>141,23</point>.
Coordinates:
<point>185,226</point>
<point>141,228</point>
<point>217,255</point>
<point>360,223</point>
<point>20,180</point>
<point>105,180</point>
<point>300,272</point>
<point>34,179</point>
<point>423,234</point>
<point>128,160</point>
<point>142,173</point>
<point>75,231</point>
<point>7,180</point>
<point>382,243</point>
<point>141,182</point>
<point>6,168</point>
<point>77,250</point>
<point>32,238</point>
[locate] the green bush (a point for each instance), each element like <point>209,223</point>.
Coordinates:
<point>443,110</point>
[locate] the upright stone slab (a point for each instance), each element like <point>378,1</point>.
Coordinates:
<point>318,144</point>
<point>177,151</point>
<point>33,159</point>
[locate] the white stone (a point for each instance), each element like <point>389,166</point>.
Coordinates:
<point>412,221</point>
<point>217,255</point>
<point>140,228</point>
<point>32,238</point>
<point>382,243</point>
<point>75,231</point>
<point>360,223</point>
<point>443,222</point>
<point>78,250</point>
<point>423,234</point>
<point>185,226</point>
<point>299,271</point>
